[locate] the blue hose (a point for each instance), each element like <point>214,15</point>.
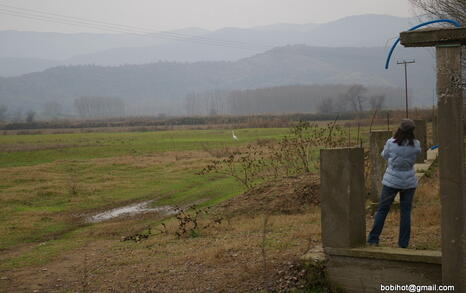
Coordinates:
<point>455,23</point>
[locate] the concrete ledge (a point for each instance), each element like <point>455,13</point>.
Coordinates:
<point>356,270</point>
<point>353,274</point>
<point>433,37</point>
<point>388,253</point>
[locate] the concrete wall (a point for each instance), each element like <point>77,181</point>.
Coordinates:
<point>377,140</point>
<point>435,129</point>
<point>365,269</point>
<point>421,135</point>
<point>342,193</point>
<point>452,165</point>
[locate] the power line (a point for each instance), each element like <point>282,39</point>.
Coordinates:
<point>141,34</point>
<point>111,27</point>
<point>119,26</point>
<point>113,24</point>
<point>42,18</point>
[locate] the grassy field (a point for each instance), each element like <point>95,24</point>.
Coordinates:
<point>28,150</point>
<point>50,181</point>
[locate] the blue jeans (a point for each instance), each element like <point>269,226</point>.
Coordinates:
<point>386,199</point>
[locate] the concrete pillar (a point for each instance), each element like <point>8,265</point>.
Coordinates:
<point>421,135</point>
<point>435,129</point>
<point>377,140</point>
<point>342,194</point>
<point>452,165</point>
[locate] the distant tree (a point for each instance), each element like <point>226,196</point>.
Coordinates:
<point>215,102</point>
<point>210,102</point>
<point>453,9</point>
<point>355,97</point>
<point>99,107</point>
<point>82,107</point>
<point>213,112</point>
<point>30,116</point>
<point>326,106</point>
<point>376,101</point>
<point>191,103</point>
<point>52,109</point>
<point>3,110</point>
<point>18,115</point>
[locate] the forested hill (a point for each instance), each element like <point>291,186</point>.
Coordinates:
<point>165,84</point>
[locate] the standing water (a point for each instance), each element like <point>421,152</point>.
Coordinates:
<point>130,210</point>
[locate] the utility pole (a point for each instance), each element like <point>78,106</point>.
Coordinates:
<point>405,63</point>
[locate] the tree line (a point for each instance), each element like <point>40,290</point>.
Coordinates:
<point>84,107</point>
<point>292,99</point>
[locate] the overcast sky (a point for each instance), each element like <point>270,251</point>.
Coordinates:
<point>176,14</point>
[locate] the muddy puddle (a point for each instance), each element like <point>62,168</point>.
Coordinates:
<point>131,210</point>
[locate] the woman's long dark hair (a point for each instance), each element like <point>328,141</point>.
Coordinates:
<point>402,136</point>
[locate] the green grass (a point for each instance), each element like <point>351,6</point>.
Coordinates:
<point>83,146</point>
<point>43,252</point>
<point>49,180</point>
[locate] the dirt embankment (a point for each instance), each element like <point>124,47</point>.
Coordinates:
<point>288,196</point>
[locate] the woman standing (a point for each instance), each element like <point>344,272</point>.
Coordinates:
<point>400,177</point>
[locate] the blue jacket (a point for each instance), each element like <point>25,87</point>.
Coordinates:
<point>400,173</point>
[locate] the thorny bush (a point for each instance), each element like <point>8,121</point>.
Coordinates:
<point>293,155</point>
<point>189,224</point>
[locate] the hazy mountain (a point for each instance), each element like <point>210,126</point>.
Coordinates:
<point>369,30</point>
<point>231,44</point>
<point>161,87</point>
<point>227,44</point>
<point>287,27</point>
<point>18,66</point>
<point>60,46</point>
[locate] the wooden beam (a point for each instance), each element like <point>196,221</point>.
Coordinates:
<point>433,37</point>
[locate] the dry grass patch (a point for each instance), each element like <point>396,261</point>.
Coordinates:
<point>234,255</point>
<point>226,258</point>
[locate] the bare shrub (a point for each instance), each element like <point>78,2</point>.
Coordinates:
<point>293,155</point>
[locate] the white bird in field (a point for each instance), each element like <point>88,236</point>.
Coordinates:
<point>234,136</point>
